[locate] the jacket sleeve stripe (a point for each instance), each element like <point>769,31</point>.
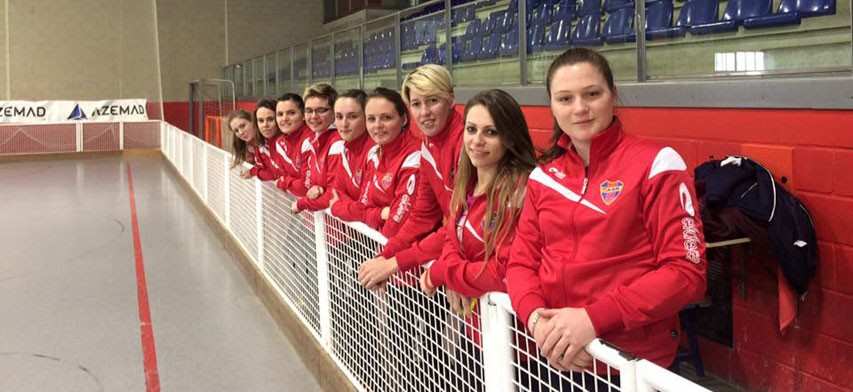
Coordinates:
<point>539,176</point>
<point>667,160</point>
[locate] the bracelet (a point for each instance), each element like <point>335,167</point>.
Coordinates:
<point>533,323</point>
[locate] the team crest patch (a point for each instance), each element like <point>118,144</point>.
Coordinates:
<point>610,191</point>
<point>387,179</point>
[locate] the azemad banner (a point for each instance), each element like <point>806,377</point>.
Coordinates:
<point>57,111</point>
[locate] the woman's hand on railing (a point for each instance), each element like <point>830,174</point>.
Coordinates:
<point>460,304</point>
<point>314,192</point>
<point>426,284</point>
<point>294,207</point>
<point>334,199</point>
<point>562,335</point>
<point>375,272</point>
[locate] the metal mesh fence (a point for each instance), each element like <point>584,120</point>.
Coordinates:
<point>242,212</point>
<point>216,172</point>
<point>199,166</point>
<point>396,339</point>
<point>142,134</point>
<point>37,138</point>
<point>100,136</point>
<point>290,258</point>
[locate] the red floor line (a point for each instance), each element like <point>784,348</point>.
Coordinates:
<point>149,354</point>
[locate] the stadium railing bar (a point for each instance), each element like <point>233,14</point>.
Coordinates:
<point>394,340</point>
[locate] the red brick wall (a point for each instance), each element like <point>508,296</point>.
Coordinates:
<point>813,150</point>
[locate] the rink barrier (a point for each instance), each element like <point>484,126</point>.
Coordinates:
<point>395,340</point>
<point>398,339</point>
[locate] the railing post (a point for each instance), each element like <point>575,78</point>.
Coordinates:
<point>226,189</point>
<point>259,220</point>
<point>121,135</point>
<point>204,173</point>
<point>324,306</point>
<point>190,162</point>
<point>78,129</point>
<point>497,346</point>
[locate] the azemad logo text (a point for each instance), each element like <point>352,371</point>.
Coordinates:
<point>119,110</point>
<point>23,111</point>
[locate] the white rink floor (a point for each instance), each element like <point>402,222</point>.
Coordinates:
<point>68,287</point>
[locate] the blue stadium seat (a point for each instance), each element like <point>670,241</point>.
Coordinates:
<point>559,32</point>
<point>790,12</point>
<point>619,26</point>
<point>693,12</point>
<point>589,7</point>
<point>736,12</point>
<point>705,16</point>
<point>471,41</point>
<point>658,17</point>
<point>587,32</point>
<point>509,41</point>
<point>613,5</point>
<point>430,55</point>
<point>535,36</point>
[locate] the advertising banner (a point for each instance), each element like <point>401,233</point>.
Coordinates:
<point>59,111</point>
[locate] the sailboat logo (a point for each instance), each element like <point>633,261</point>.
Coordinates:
<point>77,113</point>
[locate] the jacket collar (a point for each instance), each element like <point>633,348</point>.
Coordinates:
<point>297,134</point>
<point>359,144</point>
<point>600,148</point>
<point>320,140</point>
<point>451,129</point>
<point>391,149</point>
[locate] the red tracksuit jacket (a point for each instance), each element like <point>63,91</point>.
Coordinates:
<point>390,181</point>
<point>344,169</point>
<point>419,240</point>
<point>461,266</point>
<point>266,168</point>
<point>289,151</point>
<point>315,151</point>
<point>620,238</point>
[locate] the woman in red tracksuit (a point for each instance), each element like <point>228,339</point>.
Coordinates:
<point>347,158</point>
<point>245,142</point>
<point>320,117</point>
<point>428,91</point>
<point>609,243</point>
<point>290,117</point>
<point>266,160</point>
<point>488,193</point>
<point>388,189</point>
<point>496,158</point>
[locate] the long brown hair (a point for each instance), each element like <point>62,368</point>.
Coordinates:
<point>571,57</point>
<point>238,146</point>
<point>505,194</point>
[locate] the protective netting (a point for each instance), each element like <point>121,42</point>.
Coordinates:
<point>143,134</point>
<point>98,136</point>
<point>290,258</point>
<point>37,138</point>
<point>397,338</point>
<point>216,172</point>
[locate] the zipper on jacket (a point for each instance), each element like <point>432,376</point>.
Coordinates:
<point>574,228</point>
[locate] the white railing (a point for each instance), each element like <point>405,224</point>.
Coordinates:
<point>396,340</point>
<point>399,339</point>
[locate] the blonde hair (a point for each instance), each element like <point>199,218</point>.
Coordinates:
<point>431,79</point>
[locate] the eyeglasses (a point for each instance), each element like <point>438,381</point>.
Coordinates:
<point>319,111</point>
